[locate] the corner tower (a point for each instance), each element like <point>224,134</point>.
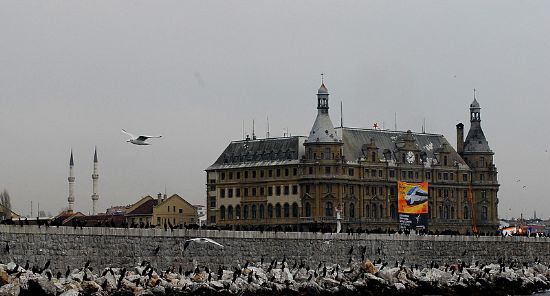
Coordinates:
<point>95,179</point>
<point>71,180</point>
<point>483,179</point>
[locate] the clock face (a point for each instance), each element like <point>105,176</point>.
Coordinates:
<point>410,157</point>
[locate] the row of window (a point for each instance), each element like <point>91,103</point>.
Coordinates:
<point>259,173</point>
<point>258,211</point>
<point>259,191</point>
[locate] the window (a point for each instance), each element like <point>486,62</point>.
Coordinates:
<point>245,212</point>
<point>253,212</point>
<point>270,211</point>
<point>230,175</point>
<point>484,214</point>
<point>466,212</point>
<point>464,177</point>
<point>287,190</point>
<point>328,188</point>
<point>181,211</point>
<point>428,175</point>
<point>223,176</point>
<point>238,192</point>
<point>238,175</point>
<point>367,211</point>
<point>212,219</point>
<point>294,189</point>
<point>278,210</point>
<point>246,174</point>
<point>253,191</point>
<point>445,176</point>
<point>269,191</point>
<point>278,172</point>
<point>445,160</point>
<point>262,214</point>
<point>262,191</point>
<point>294,171</point>
<point>352,210</point>
<point>439,176</point>
<point>245,192</point>
<point>482,162</point>
<point>374,212</point>
<point>308,188</point>
<point>328,209</point>
<point>393,212</point>
<point>403,175</point>
<point>222,195</point>
<point>380,173</point>
<point>392,174</point>
<point>277,190</point>
<point>238,211</point>
<point>262,173</point>
<point>327,170</point>
<point>286,210</point>
<point>373,173</point>
<point>481,177</point>
<point>168,209</point>
<point>465,194</point>
<point>351,171</point>
<point>253,174</point>
<point>230,212</point>
<point>327,153</point>
<point>294,210</point>
<point>270,173</point>
<point>229,192</point>
<point>351,189</point>
<point>310,170</point>
<point>451,176</point>
<point>222,213</point>
<point>286,172</point>
<point>373,157</point>
<point>213,202</point>
<point>410,174</point>
<point>308,209</point>
<point>483,194</point>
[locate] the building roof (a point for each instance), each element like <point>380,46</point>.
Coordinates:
<point>323,130</point>
<point>476,141</point>
<point>261,152</point>
<point>145,207</point>
<point>429,146</point>
<point>323,89</point>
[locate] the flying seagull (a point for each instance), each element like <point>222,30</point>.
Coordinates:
<point>201,240</point>
<point>139,140</point>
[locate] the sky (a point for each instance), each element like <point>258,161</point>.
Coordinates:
<point>74,73</point>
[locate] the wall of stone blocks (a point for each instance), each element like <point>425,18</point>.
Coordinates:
<point>120,247</point>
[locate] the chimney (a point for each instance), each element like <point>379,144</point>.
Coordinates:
<point>460,138</point>
<point>159,196</point>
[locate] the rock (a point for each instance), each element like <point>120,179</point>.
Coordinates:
<point>399,286</point>
<point>4,277</point>
<point>71,292</point>
<point>10,290</point>
<point>47,286</point>
<point>199,277</point>
<point>367,266</point>
<point>89,287</point>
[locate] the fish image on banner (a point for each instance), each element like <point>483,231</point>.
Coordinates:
<point>412,203</point>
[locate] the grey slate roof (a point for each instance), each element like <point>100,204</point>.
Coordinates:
<point>261,152</point>
<point>475,140</point>
<point>388,141</point>
<point>322,130</point>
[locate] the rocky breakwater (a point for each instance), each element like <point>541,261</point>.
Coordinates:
<point>359,277</point>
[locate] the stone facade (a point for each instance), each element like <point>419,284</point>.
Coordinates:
<point>304,181</point>
<point>120,247</point>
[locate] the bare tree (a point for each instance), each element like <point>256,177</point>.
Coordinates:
<point>5,201</point>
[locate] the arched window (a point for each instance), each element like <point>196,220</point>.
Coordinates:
<point>446,212</point>
<point>262,214</point>
<point>381,211</point>
<point>393,212</point>
<point>253,211</point>
<point>230,212</point>
<point>270,211</point>
<point>484,213</point>
<point>466,212</point>
<point>440,212</point>
<point>294,210</point>
<point>238,212</point>
<point>222,213</point>
<point>328,209</point>
<point>278,210</point>
<point>374,212</point>
<point>367,211</point>
<point>308,209</point>
<point>352,210</point>
<point>286,210</point>
<point>245,212</point>
<point>373,157</point>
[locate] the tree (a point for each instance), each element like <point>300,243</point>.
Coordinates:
<point>5,201</point>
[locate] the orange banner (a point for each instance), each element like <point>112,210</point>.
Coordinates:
<point>412,198</point>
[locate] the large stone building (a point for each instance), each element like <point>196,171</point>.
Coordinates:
<point>303,181</point>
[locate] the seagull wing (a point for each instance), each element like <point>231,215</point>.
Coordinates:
<point>131,136</point>
<point>144,137</point>
<point>213,242</point>
<point>186,244</point>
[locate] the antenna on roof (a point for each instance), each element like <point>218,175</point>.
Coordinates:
<point>341,115</point>
<point>243,129</point>
<point>424,125</point>
<point>395,121</point>
<point>267,133</point>
<point>253,134</point>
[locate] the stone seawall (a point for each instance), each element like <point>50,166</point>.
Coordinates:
<point>119,247</point>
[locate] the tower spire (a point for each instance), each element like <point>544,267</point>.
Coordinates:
<point>71,180</point>
<point>95,179</point>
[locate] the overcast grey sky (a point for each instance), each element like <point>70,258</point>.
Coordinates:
<point>73,73</point>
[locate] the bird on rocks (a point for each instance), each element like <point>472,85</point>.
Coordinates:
<point>49,275</point>
<point>220,273</point>
<point>26,265</point>
<point>122,275</point>
<point>262,260</point>
<point>209,276</point>
<point>68,272</point>
<point>157,249</point>
<point>310,277</point>
<point>350,251</point>
<point>46,266</point>
<point>7,249</point>
<point>14,270</point>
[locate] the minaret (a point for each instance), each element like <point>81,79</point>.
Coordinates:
<point>71,183</point>
<point>95,178</point>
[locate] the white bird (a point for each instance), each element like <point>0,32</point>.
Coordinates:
<point>139,140</point>
<point>201,240</point>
